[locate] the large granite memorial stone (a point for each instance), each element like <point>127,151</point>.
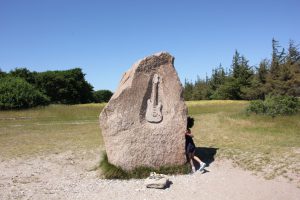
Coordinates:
<point>144,122</point>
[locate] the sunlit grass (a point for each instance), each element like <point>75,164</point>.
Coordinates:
<point>263,144</point>
<point>215,106</point>
<point>51,129</point>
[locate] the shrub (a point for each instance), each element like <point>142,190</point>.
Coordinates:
<point>101,96</point>
<point>281,105</point>
<point>17,93</point>
<point>275,105</point>
<point>256,106</point>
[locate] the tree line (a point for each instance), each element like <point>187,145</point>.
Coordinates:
<point>21,88</point>
<point>279,75</point>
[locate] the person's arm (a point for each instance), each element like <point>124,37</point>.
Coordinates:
<point>188,133</point>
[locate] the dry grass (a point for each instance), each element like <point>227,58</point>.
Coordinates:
<point>262,144</point>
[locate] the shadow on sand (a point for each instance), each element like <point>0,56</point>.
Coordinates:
<point>206,154</point>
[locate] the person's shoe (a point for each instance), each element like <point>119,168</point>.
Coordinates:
<point>202,166</point>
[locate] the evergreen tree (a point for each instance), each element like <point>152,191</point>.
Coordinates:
<point>218,78</point>
<point>200,90</point>
<point>293,56</point>
<point>291,70</point>
<point>283,78</point>
<point>188,90</point>
<point>258,88</point>
<point>239,81</point>
<point>277,59</point>
<point>263,71</point>
<point>278,76</point>
<point>241,71</point>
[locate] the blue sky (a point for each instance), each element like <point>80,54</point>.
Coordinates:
<point>105,38</point>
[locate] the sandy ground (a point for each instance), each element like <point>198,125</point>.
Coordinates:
<point>69,175</point>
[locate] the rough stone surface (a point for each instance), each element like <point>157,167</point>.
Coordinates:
<point>144,122</point>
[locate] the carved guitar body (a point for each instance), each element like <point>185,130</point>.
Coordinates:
<point>153,112</point>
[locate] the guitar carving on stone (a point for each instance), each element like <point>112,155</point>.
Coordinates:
<point>153,112</point>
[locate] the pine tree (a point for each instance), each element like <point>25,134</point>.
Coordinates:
<point>263,71</point>
<point>240,77</point>
<point>283,78</point>
<point>277,59</point>
<point>293,55</point>
<point>188,90</point>
<point>217,78</point>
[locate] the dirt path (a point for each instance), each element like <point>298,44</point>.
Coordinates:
<point>68,176</point>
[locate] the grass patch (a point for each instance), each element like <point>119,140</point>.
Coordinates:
<point>262,144</point>
<point>110,171</point>
<point>52,129</point>
<point>215,106</point>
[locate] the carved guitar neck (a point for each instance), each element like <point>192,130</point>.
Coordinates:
<point>153,112</point>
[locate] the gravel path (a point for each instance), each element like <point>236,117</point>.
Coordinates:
<point>69,175</point>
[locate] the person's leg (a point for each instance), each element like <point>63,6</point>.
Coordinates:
<point>197,159</point>
<point>201,163</point>
<point>191,162</point>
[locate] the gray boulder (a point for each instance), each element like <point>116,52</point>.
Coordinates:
<point>144,122</point>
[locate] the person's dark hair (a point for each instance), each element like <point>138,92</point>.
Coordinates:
<point>190,122</point>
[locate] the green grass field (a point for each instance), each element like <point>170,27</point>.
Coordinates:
<point>53,129</point>
<point>262,144</point>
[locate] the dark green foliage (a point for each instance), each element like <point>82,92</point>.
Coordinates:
<point>278,58</point>
<point>281,105</point>
<point>67,87</point>
<point>229,90</point>
<point>254,91</point>
<point>110,171</point>
<point>218,78</point>
<point>293,53</point>
<point>262,71</point>
<point>275,105</point>
<point>2,73</point>
<point>16,93</point>
<point>101,96</point>
<point>25,74</point>
<point>284,76</point>
<point>199,90</point>
<point>188,90</point>
<point>240,80</point>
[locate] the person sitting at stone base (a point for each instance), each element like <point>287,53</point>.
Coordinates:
<point>190,146</point>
